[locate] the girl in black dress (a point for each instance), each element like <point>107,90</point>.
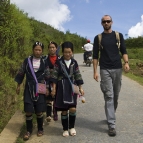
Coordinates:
<point>65,100</point>
<point>51,59</point>
<point>34,101</point>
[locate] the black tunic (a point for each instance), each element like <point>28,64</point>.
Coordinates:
<point>64,90</point>
<point>51,67</point>
<point>42,75</point>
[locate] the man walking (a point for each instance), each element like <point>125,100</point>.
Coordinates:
<point>110,63</point>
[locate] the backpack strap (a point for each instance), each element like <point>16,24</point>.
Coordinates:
<point>118,39</point>
<point>99,41</point>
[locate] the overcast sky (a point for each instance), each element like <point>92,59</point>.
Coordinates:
<point>84,16</point>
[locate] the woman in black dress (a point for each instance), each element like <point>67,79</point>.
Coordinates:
<point>65,100</point>
<point>34,101</point>
<point>51,59</point>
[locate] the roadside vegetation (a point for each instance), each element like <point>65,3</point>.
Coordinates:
<point>135,52</point>
<point>136,64</point>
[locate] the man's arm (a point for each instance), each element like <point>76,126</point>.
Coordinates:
<point>95,75</point>
<point>95,58</point>
<point>124,53</point>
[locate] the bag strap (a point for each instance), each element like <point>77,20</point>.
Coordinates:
<point>33,73</point>
<point>63,68</point>
<point>71,70</point>
<point>99,40</point>
<point>65,71</point>
<point>118,39</point>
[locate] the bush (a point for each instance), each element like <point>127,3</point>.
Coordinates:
<point>135,53</point>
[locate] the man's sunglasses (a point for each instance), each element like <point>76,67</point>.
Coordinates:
<point>108,21</point>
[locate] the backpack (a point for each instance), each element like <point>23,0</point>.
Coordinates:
<point>117,38</point>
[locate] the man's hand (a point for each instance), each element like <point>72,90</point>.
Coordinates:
<point>126,67</point>
<point>96,76</point>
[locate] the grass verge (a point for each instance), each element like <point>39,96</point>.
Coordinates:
<point>23,130</point>
<point>136,71</point>
<point>134,77</point>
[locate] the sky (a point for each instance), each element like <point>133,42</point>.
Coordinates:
<point>83,17</point>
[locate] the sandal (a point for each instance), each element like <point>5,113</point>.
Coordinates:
<point>72,132</point>
<point>40,133</point>
<point>55,117</point>
<point>48,119</point>
<point>65,133</point>
<point>27,136</point>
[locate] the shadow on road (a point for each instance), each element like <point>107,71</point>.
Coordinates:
<point>99,126</point>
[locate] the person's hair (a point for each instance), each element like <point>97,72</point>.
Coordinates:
<point>67,44</point>
<point>52,42</point>
<point>106,15</point>
<point>37,43</point>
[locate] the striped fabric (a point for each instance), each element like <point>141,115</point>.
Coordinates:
<point>36,64</point>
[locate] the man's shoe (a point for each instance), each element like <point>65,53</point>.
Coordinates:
<point>112,132</point>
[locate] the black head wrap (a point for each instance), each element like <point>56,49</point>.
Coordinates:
<point>67,44</point>
<point>37,43</point>
<point>52,42</point>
